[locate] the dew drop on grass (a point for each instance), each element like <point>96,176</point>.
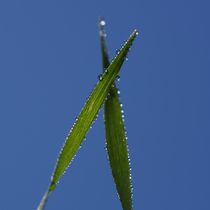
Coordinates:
<point>117,51</point>
<point>102,22</point>
<point>100,76</point>
<point>118,78</point>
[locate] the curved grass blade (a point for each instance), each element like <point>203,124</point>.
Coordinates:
<point>116,135</point>
<point>87,116</point>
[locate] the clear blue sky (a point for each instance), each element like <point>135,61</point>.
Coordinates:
<point>49,62</point>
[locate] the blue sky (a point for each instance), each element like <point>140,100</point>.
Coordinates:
<point>50,60</point>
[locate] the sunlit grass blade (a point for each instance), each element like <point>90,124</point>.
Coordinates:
<point>116,135</point>
<point>87,116</point>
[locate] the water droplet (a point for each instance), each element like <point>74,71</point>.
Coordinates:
<point>118,78</point>
<point>102,22</point>
<point>117,51</point>
<point>100,77</point>
<point>102,33</point>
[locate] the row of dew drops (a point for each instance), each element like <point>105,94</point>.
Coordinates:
<point>100,77</point>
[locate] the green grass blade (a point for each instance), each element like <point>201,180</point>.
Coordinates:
<point>116,144</point>
<point>116,135</point>
<point>102,36</point>
<point>43,201</point>
<point>88,114</point>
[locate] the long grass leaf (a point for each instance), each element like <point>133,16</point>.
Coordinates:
<point>116,135</point>
<point>87,116</point>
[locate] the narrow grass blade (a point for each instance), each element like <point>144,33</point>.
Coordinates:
<point>116,144</point>
<point>102,36</point>
<point>116,135</point>
<point>43,201</point>
<point>88,114</point>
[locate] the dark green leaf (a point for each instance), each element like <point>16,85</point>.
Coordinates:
<point>116,140</point>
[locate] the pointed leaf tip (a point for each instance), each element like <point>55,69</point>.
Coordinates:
<point>88,114</point>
